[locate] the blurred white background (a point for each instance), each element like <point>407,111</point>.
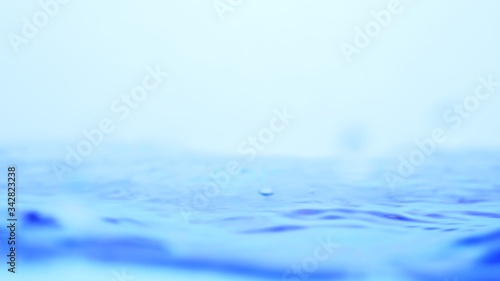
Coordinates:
<point>228,76</point>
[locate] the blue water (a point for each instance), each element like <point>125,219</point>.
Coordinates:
<point>139,214</point>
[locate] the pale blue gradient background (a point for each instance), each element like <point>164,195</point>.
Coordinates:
<point>228,76</point>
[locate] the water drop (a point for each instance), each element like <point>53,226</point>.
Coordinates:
<point>266,192</point>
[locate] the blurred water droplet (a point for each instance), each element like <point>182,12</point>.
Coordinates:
<point>266,192</point>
